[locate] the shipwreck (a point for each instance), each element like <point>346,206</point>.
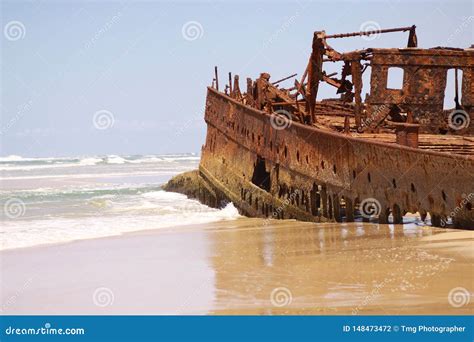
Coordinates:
<point>282,153</point>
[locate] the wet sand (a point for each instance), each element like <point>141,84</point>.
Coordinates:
<point>247,267</point>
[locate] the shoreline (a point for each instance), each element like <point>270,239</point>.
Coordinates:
<point>408,225</point>
<point>116,236</point>
<point>197,225</point>
<point>232,267</point>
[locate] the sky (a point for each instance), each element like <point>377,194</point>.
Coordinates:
<point>129,77</point>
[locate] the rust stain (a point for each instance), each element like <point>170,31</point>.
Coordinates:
<point>281,153</point>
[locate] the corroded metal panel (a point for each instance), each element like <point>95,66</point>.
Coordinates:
<point>279,152</point>
<point>344,169</point>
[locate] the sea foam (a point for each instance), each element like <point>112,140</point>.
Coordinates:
<point>74,198</point>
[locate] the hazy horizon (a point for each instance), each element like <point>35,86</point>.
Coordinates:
<point>124,78</point>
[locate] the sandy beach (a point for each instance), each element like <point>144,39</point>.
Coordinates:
<point>246,266</point>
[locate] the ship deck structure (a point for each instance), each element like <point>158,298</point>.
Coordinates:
<point>284,153</point>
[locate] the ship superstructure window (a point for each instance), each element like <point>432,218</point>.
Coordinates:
<point>450,90</point>
<point>395,78</point>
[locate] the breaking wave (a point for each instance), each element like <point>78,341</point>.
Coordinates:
<point>93,213</point>
<point>18,163</point>
<point>71,198</point>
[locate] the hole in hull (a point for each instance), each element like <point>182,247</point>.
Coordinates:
<point>261,177</point>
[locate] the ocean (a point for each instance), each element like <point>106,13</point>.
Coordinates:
<point>147,251</point>
<point>61,199</point>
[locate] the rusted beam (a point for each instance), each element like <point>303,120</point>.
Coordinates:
<point>284,79</point>
<point>260,92</point>
<point>412,39</point>
<point>407,134</point>
<point>456,90</point>
<point>236,91</point>
<point>347,127</point>
<point>249,96</point>
<point>216,77</point>
<point>301,86</point>
<point>368,33</point>
<point>356,72</point>
<point>315,73</point>
<point>331,81</point>
<point>284,103</point>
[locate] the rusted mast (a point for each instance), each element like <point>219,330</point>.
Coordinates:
<point>237,94</point>
<point>412,39</point>
<point>356,70</point>
<point>315,73</point>
<point>216,77</point>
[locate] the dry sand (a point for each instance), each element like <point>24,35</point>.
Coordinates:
<point>247,267</point>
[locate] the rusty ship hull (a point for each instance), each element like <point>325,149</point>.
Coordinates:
<point>316,175</point>
<point>279,153</point>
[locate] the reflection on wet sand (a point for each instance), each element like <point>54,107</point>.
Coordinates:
<point>245,267</point>
<point>291,267</point>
